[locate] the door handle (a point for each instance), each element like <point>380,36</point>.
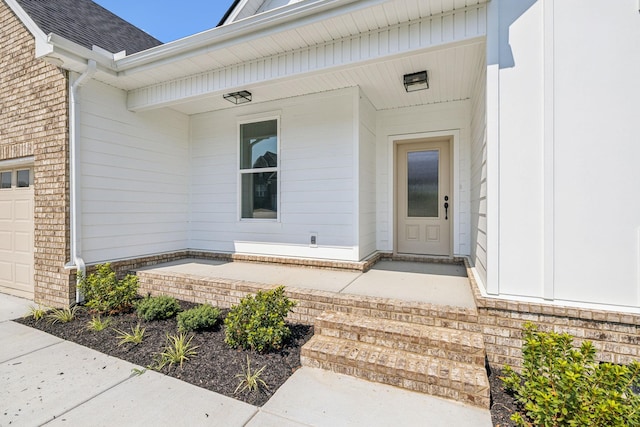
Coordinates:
<point>446,207</point>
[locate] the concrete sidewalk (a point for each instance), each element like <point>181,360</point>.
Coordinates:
<point>48,381</point>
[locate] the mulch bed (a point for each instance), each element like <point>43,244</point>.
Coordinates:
<point>502,403</point>
<point>216,364</point>
<point>214,367</point>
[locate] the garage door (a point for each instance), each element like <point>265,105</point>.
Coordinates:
<point>16,232</point>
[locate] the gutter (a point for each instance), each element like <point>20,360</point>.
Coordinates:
<point>74,168</point>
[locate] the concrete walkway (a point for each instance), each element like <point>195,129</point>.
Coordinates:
<point>48,381</point>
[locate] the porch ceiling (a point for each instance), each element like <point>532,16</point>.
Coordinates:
<point>221,47</point>
<point>307,47</point>
<point>452,75</point>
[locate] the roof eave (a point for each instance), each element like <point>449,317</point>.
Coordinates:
<point>255,26</point>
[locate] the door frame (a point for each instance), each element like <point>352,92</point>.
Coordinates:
<point>454,168</point>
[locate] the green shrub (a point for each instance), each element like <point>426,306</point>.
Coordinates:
<point>563,386</point>
<point>257,323</point>
<point>104,293</point>
<point>204,316</point>
<point>158,308</point>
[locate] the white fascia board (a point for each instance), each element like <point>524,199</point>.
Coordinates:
<point>257,26</point>
<point>42,46</point>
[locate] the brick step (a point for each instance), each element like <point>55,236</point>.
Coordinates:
<point>448,379</point>
<point>444,343</point>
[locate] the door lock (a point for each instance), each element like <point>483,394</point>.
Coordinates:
<point>446,207</point>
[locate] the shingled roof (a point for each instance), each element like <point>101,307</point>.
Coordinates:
<point>87,23</point>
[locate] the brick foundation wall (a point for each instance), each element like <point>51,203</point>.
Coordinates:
<point>615,335</point>
<point>34,122</point>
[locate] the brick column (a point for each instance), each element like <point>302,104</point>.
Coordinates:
<point>34,122</point>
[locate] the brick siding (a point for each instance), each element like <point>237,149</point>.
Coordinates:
<point>615,335</point>
<point>34,122</point>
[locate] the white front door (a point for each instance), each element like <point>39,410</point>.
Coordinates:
<point>424,202</point>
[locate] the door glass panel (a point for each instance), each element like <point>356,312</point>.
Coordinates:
<point>422,185</point>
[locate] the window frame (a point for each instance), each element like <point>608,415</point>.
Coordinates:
<point>241,172</point>
<point>13,176</point>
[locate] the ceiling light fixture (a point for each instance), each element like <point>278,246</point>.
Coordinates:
<point>416,81</point>
<point>240,97</point>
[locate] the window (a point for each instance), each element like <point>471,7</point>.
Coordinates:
<point>23,178</point>
<point>5,179</point>
<point>259,169</point>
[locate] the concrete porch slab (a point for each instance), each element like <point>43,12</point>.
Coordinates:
<point>271,274</point>
<point>441,284</point>
<point>435,283</point>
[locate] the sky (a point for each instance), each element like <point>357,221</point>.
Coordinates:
<point>169,20</point>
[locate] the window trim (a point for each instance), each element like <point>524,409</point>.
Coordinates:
<point>240,171</point>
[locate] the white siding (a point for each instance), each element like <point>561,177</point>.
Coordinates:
<point>367,177</point>
<point>520,161</point>
<point>597,173</point>
<point>317,174</point>
<point>134,185</point>
<point>450,116</point>
<point>478,189</point>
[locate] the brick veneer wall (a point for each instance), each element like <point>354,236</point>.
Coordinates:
<point>615,335</point>
<point>34,122</point>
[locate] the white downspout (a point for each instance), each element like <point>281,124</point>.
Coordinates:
<point>74,167</point>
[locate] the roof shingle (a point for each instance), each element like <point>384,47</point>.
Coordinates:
<point>87,23</point>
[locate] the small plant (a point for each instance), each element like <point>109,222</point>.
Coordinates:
<point>105,293</point>
<point>257,323</point>
<point>37,313</point>
<point>563,386</point>
<point>204,316</point>
<point>250,380</point>
<point>97,324</point>
<point>158,308</point>
<point>62,315</point>
<point>177,350</point>
<point>137,371</point>
<point>134,337</point>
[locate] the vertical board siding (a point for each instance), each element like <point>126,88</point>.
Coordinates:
<point>316,179</point>
<point>134,186</point>
<point>367,177</point>
<point>596,154</point>
<point>478,189</point>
